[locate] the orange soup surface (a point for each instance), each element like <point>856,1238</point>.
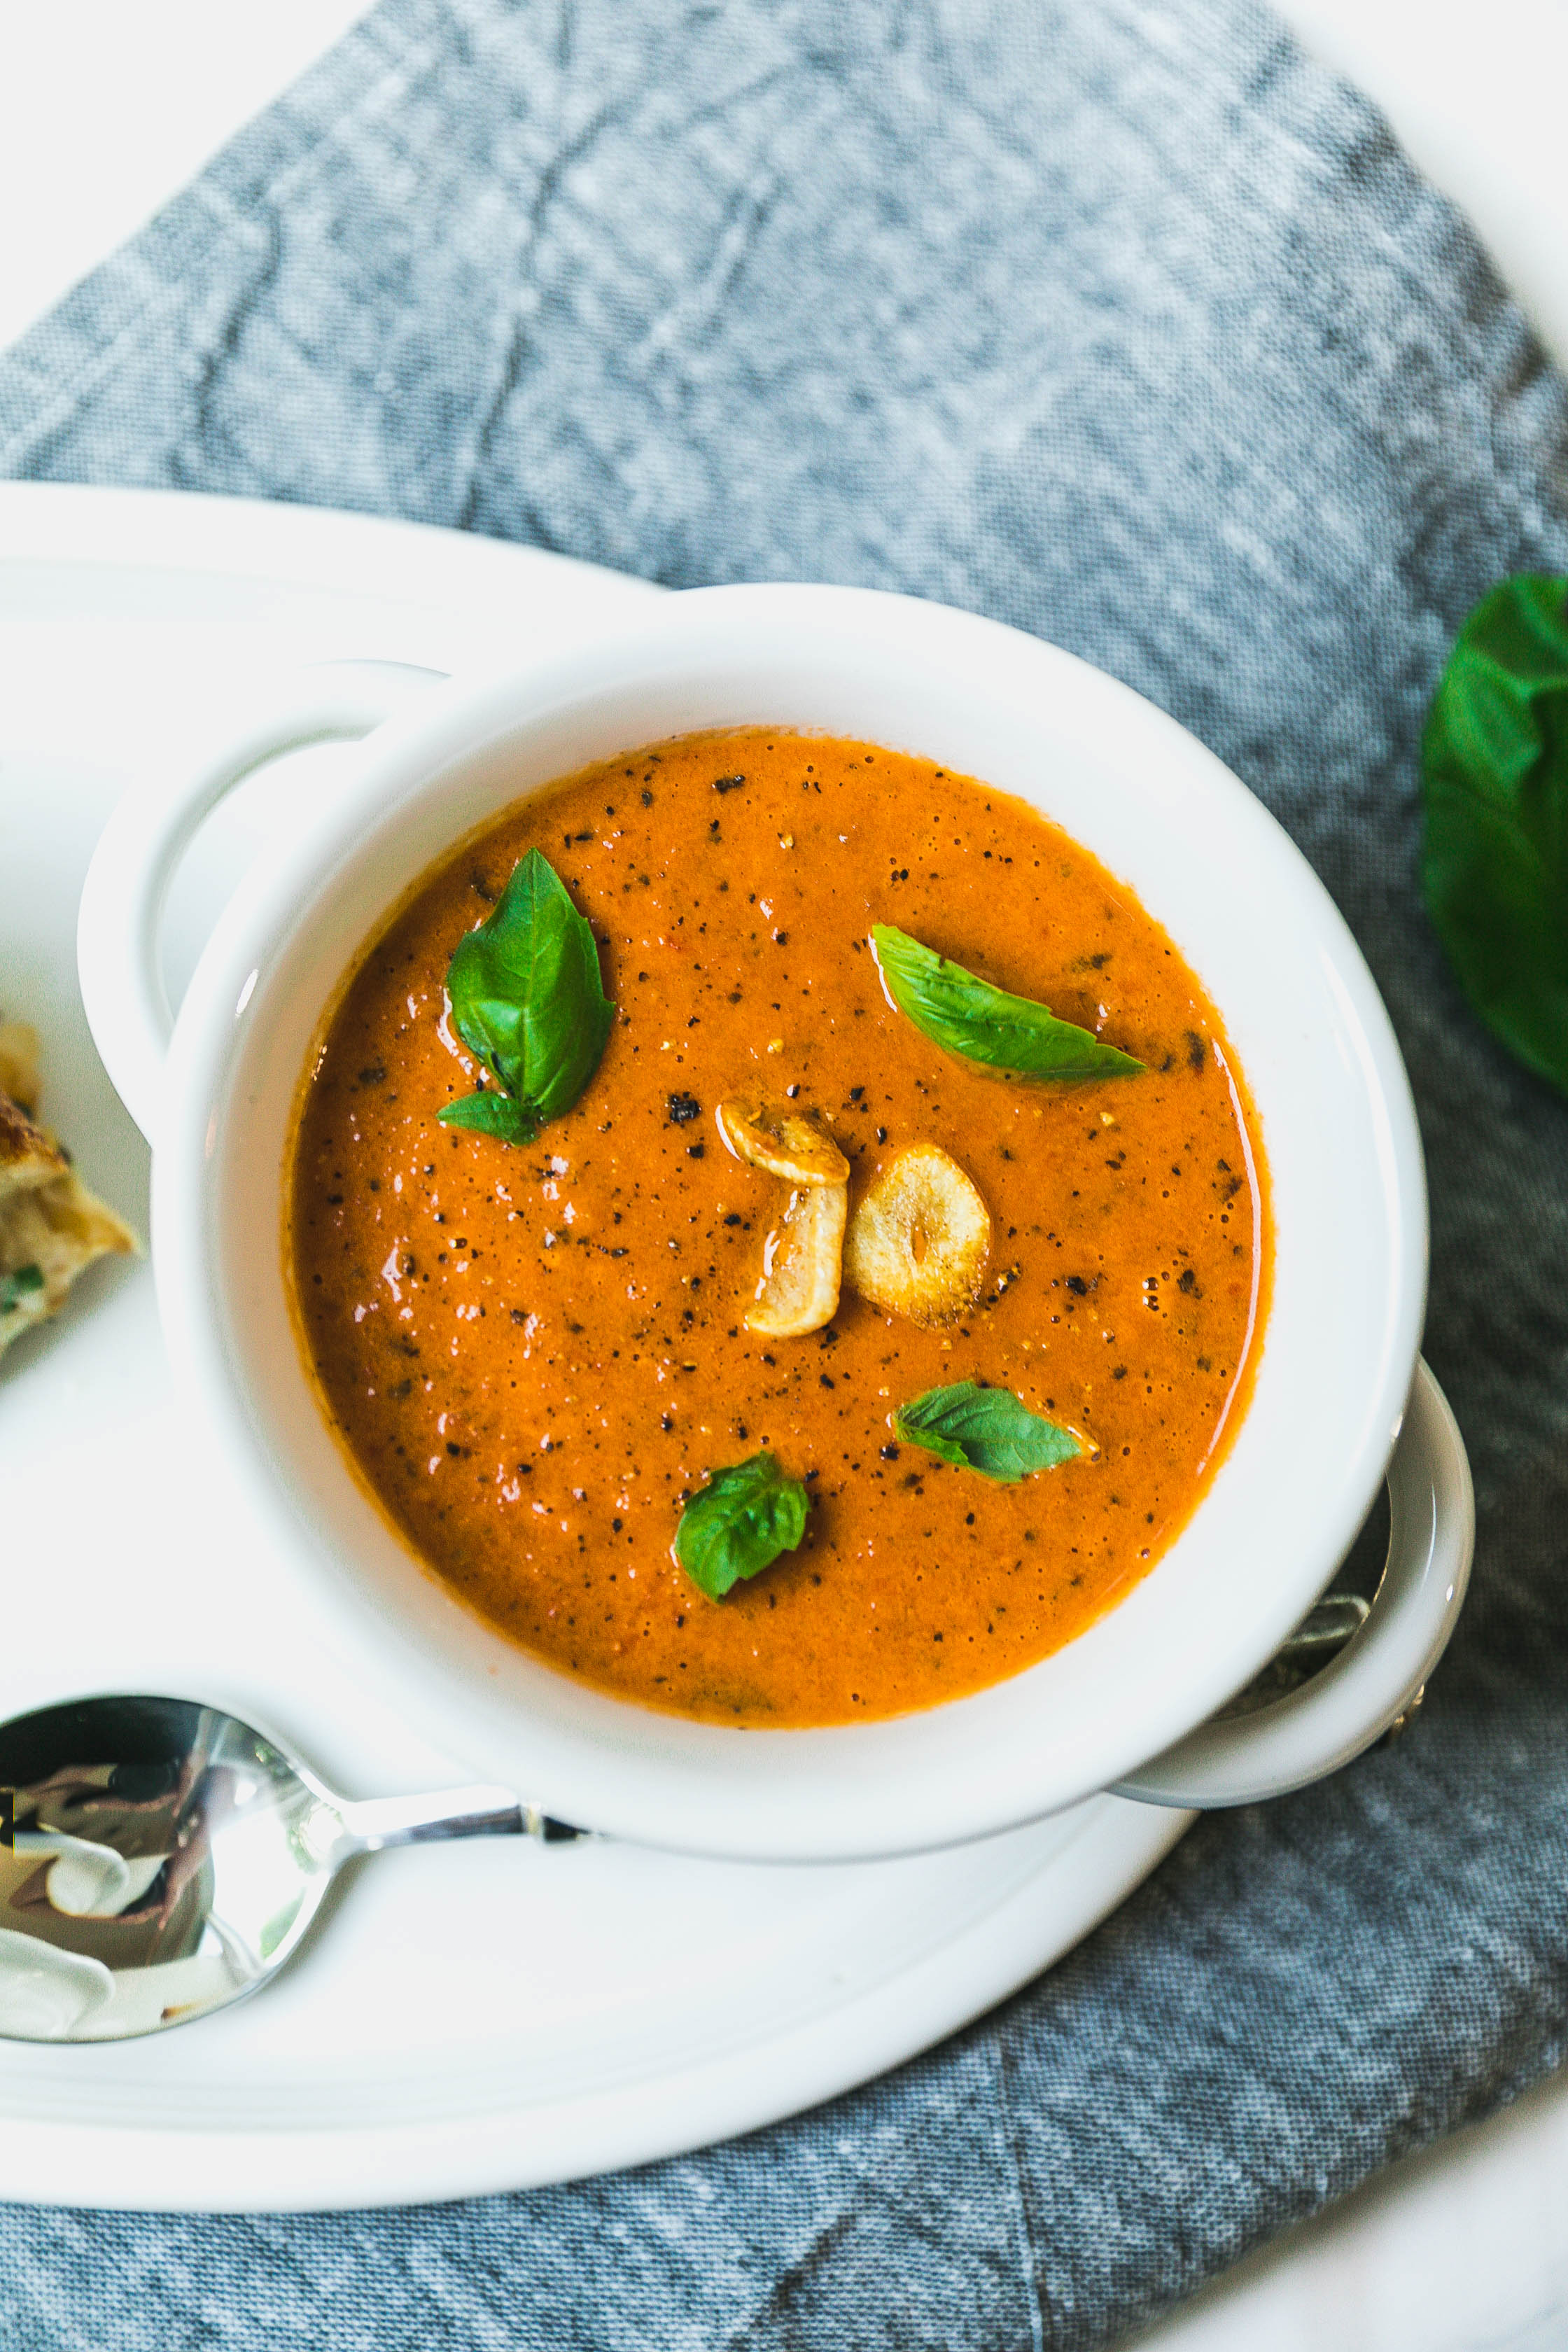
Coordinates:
<point>533,1354</point>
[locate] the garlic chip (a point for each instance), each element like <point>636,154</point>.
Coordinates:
<point>801,1262</point>
<point>919,1242</point>
<point>781,1140</point>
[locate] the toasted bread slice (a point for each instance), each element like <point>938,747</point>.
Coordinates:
<point>19,1065</point>
<point>918,1242</point>
<point>51,1226</point>
<point>803,1258</point>
<point>784,1141</point>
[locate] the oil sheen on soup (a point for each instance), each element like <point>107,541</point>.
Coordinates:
<point>538,1353</point>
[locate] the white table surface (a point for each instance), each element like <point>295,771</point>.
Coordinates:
<point>107,109</point>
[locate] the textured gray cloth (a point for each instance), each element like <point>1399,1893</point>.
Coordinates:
<point>1123,323</point>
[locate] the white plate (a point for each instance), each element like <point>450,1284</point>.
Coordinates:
<point>470,2017</point>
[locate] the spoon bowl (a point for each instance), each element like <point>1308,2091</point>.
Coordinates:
<point>160,1859</point>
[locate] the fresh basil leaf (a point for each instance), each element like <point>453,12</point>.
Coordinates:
<point>738,1525</point>
<point>19,1285</point>
<point>988,1430</point>
<point>965,1015</point>
<point>1494,759</point>
<point>528,998</point>
<point>492,1114</point>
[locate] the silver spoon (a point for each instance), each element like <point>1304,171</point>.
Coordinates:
<point>159,1860</point>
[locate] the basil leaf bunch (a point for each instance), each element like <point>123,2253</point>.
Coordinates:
<point>739,1524</point>
<point>965,1015</point>
<point>529,1001</point>
<point>19,1285</point>
<point>988,1430</point>
<point>1494,760</point>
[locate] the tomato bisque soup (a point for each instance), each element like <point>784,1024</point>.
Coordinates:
<point>538,1352</point>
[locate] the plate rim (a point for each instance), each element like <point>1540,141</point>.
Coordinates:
<point>267,2169</point>
<point>844,2043</point>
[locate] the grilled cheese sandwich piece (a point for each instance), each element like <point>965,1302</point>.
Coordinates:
<point>51,1226</point>
<point>19,1065</point>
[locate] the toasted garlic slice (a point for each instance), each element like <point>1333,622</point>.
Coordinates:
<point>917,1245</point>
<point>786,1143</point>
<point>802,1261</point>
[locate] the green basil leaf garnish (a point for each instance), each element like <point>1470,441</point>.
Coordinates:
<point>527,1000</point>
<point>988,1430</point>
<point>739,1523</point>
<point>19,1285</point>
<point>489,1113</point>
<point>1495,859</point>
<point>965,1015</point>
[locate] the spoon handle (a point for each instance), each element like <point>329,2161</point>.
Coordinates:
<point>380,1822</point>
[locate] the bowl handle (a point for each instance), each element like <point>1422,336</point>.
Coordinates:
<point>1238,1759</point>
<point>152,828</point>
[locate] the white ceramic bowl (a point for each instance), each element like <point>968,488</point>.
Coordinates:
<point>1338,1126</point>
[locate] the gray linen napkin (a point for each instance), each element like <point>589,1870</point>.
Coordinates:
<point>1118,320</point>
